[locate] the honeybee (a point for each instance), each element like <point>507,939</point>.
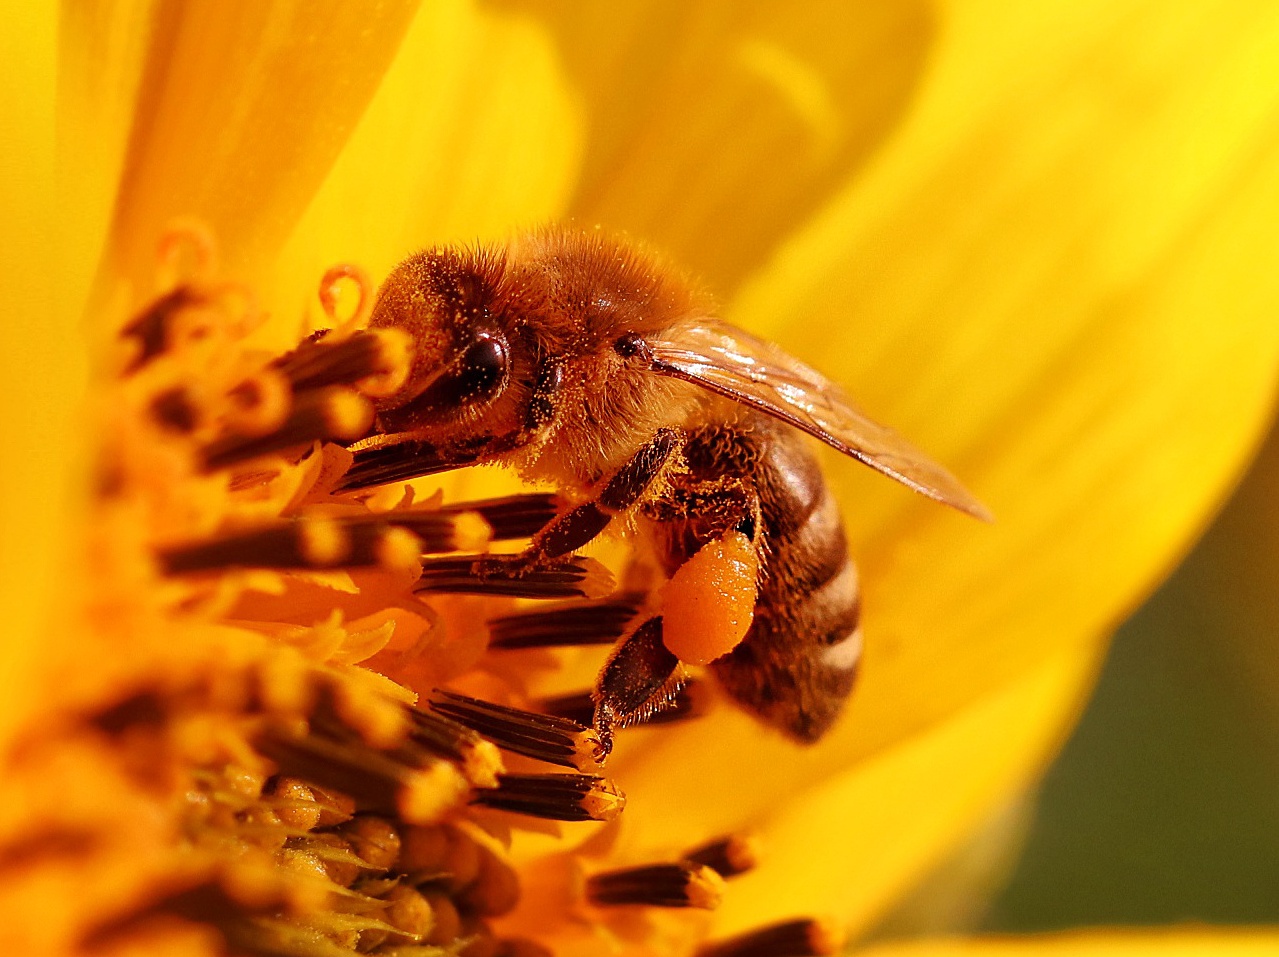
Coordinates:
<point>580,358</point>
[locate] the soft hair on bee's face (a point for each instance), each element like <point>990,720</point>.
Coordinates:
<point>514,350</point>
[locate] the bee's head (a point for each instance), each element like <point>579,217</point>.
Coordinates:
<point>469,365</point>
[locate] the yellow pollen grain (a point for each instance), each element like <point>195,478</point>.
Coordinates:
<point>483,764</point>
<point>604,803</point>
<point>410,912</point>
<point>705,889</point>
<point>322,542</point>
<point>431,793</point>
<point>304,865</point>
<point>424,849</point>
<point>295,804</point>
<point>374,840</point>
<point>341,864</point>
<point>396,361</point>
<point>448,922</point>
<point>461,859</point>
<point>347,414</point>
<point>496,889</point>
<point>399,549</point>
<point>471,532</point>
<point>335,807</point>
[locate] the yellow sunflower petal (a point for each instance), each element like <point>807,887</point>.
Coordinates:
<point>1100,398</point>
<point>1178,942</point>
<point>101,55</point>
<point>472,133</point>
<point>241,109</point>
<point>1060,291</point>
<point>976,661</point>
<point>41,372</point>
<point>854,843</point>
<point>735,123</point>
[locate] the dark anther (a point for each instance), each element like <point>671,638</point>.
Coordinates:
<point>151,327</point>
<point>579,623</point>
<point>538,736</point>
<point>175,410</point>
<point>657,885</point>
<point>727,856</point>
<point>806,937</point>
<point>515,516</point>
<point>511,576</point>
<point>557,797</point>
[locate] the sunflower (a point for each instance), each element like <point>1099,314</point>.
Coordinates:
<point>1034,240</point>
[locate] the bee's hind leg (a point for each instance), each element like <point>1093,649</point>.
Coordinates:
<point>640,677</point>
<point>580,525</point>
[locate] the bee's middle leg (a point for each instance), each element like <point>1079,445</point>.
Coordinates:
<point>580,525</point>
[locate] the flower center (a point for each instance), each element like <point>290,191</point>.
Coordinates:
<point>247,613</point>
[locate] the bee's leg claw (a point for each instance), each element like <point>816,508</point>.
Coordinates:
<point>640,677</point>
<point>580,525</point>
<point>604,731</point>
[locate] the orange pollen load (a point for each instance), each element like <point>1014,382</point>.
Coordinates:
<point>709,604</point>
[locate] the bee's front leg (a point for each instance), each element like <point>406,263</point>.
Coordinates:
<point>580,525</point>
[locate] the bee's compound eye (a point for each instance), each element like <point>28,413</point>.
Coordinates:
<point>477,374</point>
<point>483,368</point>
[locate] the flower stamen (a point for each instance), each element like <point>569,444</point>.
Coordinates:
<point>683,884</point>
<point>538,736</point>
<point>599,622</point>
<point>556,797</point>
<point>807,937</point>
<point>511,576</point>
<point>728,856</point>
<point>512,516</point>
<point>477,759</point>
<point>306,543</point>
<point>335,414</point>
<point>374,361</point>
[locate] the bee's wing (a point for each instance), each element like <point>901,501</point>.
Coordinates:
<point>733,363</point>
